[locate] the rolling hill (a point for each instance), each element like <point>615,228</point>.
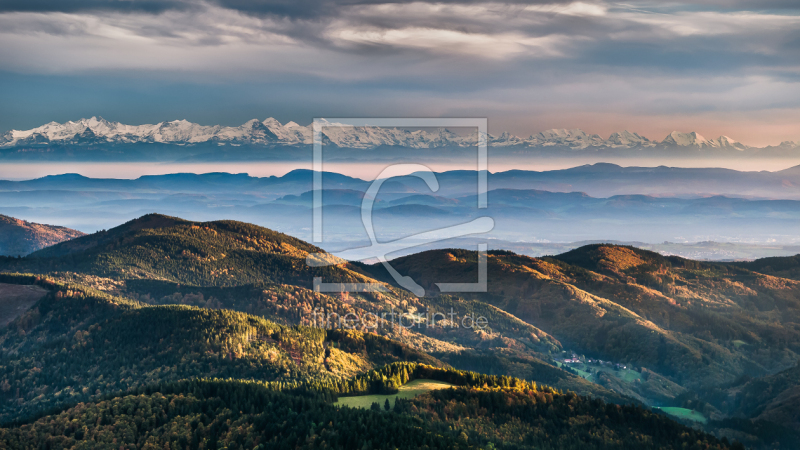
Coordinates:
<point>223,253</point>
<point>20,238</point>
<point>180,299</point>
<point>699,324</point>
<point>93,343</point>
<point>84,368</point>
<point>160,260</point>
<point>773,398</point>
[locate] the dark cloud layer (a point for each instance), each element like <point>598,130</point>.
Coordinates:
<point>71,6</point>
<point>753,5</point>
<point>295,9</point>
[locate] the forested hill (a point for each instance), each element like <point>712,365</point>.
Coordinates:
<point>152,221</point>
<point>779,266</point>
<point>701,327</point>
<point>77,342</point>
<point>213,414</point>
<point>84,369</point>
<point>164,260</point>
<point>173,226</point>
<point>224,253</point>
<point>160,299</point>
<point>19,237</point>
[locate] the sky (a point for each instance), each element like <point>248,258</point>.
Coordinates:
<point>716,67</point>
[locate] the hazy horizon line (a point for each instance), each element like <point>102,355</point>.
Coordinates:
<point>28,171</point>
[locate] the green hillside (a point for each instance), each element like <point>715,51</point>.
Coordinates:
<point>91,343</point>
<point>81,345</point>
<point>222,415</point>
<point>229,414</point>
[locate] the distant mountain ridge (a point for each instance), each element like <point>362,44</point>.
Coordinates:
<point>606,201</point>
<point>271,132</point>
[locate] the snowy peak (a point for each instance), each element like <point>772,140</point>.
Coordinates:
<point>788,145</point>
<point>728,143</point>
<point>678,139</point>
<point>505,139</point>
<point>271,132</point>
<point>574,138</point>
<point>629,139</point>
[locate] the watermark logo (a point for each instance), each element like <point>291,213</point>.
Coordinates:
<point>381,250</point>
<point>371,321</point>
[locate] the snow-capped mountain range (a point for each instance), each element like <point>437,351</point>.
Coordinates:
<point>271,132</point>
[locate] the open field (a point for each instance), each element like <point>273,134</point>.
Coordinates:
<point>408,390</point>
<point>739,343</point>
<point>16,299</point>
<point>687,414</point>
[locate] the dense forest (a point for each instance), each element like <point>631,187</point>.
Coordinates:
<point>92,343</point>
<point>143,351</point>
<point>698,323</point>
<point>234,415</point>
<point>221,415</point>
<point>576,350</point>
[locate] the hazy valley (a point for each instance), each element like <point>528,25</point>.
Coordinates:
<point>712,214</point>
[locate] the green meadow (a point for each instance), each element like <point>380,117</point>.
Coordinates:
<point>684,413</point>
<point>408,390</point>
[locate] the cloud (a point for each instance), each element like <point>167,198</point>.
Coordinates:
<point>634,58</point>
<point>431,38</point>
<point>450,42</point>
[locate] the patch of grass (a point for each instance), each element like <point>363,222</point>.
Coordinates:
<point>683,413</point>
<point>738,344</point>
<point>581,372</point>
<point>408,390</point>
<point>629,376</point>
